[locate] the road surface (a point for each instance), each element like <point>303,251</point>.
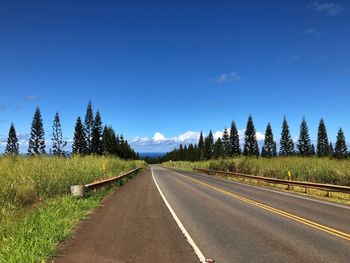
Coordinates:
<point>170,216</point>
<point>231,222</point>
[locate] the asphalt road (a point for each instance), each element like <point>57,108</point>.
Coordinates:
<point>231,222</point>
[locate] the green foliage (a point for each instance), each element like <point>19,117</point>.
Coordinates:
<point>286,142</point>
<point>226,143</point>
<point>269,147</point>
<point>79,145</point>
<point>250,142</point>
<point>37,135</point>
<point>322,140</point>
<point>12,146</point>
<point>340,150</point>
<point>88,127</point>
<point>219,149</point>
<point>235,148</point>
<point>304,142</point>
<point>96,141</point>
<point>209,146</point>
<point>58,143</point>
<point>201,146</point>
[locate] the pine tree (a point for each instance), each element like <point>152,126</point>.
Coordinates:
<point>201,147</point>
<point>209,146</point>
<point>269,143</point>
<point>88,126</point>
<point>331,149</point>
<point>109,141</point>
<point>251,147</point>
<point>57,138</point>
<point>312,150</point>
<point>286,142</point>
<point>96,141</point>
<point>340,150</point>
<point>218,149</point>
<point>235,148</point>
<point>12,146</point>
<point>322,140</point>
<point>79,141</point>
<point>226,143</point>
<point>37,135</point>
<point>304,142</point>
<point>274,152</point>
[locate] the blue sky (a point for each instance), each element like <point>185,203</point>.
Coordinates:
<point>175,66</point>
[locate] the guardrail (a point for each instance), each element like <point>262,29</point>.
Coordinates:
<point>79,190</point>
<point>325,187</point>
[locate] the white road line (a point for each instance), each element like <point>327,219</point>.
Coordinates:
<point>271,190</point>
<point>180,225</point>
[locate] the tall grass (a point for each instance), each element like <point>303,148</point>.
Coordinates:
<point>318,170</point>
<point>27,180</point>
<point>37,211</point>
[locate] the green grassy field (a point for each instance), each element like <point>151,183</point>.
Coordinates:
<point>37,211</point>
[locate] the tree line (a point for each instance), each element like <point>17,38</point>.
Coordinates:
<point>90,137</point>
<point>228,145</point>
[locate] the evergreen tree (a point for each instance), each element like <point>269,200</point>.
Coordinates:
<point>209,146</point>
<point>12,146</point>
<point>304,142</point>
<point>57,138</point>
<point>88,126</point>
<point>109,141</point>
<point>235,148</point>
<point>340,150</point>
<point>322,140</point>
<point>79,141</point>
<point>269,144</point>
<point>251,147</point>
<point>37,135</point>
<point>226,143</point>
<point>201,147</point>
<point>313,150</point>
<point>274,152</point>
<point>286,142</point>
<point>96,141</point>
<point>331,149</point>
<point>191,153</point>
<point>218,149</point>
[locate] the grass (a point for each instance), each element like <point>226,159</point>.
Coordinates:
<point>36,210</point>
<point>319,170</point>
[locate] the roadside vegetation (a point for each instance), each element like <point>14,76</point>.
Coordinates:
<point>318,170</point>
<point>36,209</point>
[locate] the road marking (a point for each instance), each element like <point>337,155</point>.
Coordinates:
<point>299,219</point>
<point>180,225</point>
<point>271,190</point>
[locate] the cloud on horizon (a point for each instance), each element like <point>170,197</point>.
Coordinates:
<point>160,143</point>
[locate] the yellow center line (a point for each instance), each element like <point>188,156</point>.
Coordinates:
<point>304,221</point>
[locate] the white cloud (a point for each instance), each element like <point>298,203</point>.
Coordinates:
<point>229,77</point>
<point>329,8</point>
<point>158,137</point>
<point>313,32</point>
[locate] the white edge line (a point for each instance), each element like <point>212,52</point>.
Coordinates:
<point>180,225</point>
<point>271,190</point>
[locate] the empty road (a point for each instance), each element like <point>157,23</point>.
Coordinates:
<point>231,222</point>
